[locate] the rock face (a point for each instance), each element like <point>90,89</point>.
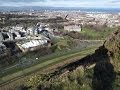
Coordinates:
<point>112,44</point>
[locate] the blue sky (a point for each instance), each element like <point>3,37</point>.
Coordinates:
<point>63,3</point>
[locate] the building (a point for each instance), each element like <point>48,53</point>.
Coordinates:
<point>73,27</point>
<point>33,44</point>
<point>2,20</point>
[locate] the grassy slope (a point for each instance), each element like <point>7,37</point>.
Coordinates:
<point>30,60</point>
<point>97,34</point>
<point>47,64</point>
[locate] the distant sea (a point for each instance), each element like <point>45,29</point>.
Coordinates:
<point>38,8</point>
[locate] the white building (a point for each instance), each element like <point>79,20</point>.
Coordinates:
<point>33,43</point>
<point>30,31</point>
<point>72,28</point>
<point>17,28</point>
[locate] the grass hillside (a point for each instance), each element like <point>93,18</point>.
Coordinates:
<point>99,71</point>
<point>91,34</point>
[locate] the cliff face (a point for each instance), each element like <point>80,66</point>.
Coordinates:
<point>113,43</point>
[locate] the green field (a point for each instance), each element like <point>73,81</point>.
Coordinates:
<point>47,62</point>
<point>93,34</point>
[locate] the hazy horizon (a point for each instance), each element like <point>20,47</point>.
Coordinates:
<point>63,3</point>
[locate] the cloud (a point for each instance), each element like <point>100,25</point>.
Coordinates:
<point>115,1</point>
<point>63,3</point>
<point>22,0</point>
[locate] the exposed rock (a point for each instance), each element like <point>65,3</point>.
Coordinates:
<point>112,44</point>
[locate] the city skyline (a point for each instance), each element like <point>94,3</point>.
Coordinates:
<point>63,3</point>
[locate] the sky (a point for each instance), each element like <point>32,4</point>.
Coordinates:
<point>63,3</point>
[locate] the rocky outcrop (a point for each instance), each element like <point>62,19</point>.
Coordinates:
<point>112,44</point>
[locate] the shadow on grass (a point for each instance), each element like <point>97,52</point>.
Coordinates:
<point>104,76</point>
